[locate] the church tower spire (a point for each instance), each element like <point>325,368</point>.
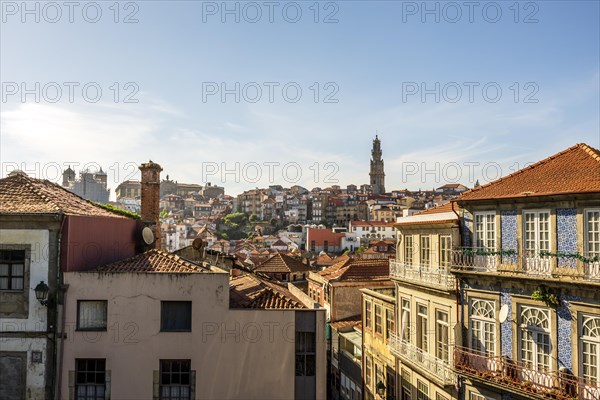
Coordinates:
<point>376,174</point>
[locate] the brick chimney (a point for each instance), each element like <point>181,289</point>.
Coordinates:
<point>151,199</point>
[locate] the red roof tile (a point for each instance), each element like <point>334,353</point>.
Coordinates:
<point>280,263</point>
<point>152,261</point>
<point>249,291</point>
<point>21,194</point>
<point>574,170</point>
<point>357,269</point>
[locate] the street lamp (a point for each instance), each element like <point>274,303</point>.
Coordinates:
<point>380,388</point>
<point>41,293</point>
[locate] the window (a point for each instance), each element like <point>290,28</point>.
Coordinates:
<point>439,396</point>
<point>589,346</point>
<point>379,374</point>
<point>325,246</point>
<point>390,326</point>
<point>422,390</point>
<point>485,230</point>
<point>90,379</point>
<point>368,370</point>
<point>535,338</point>
<point>408,249</point>
<point>537,231</point>
<point>445,250</point>
<point>406,387</point>
<point>12,269</point>
<point>476,396</point>
<point>368,314</point>
<point>378,328</point>
<point>405,334</point>
<point>305,353</point>
<point>312,245</point>
<point>593,232</point>
<point>91,315</point>
<point>176,316</point>
<point>425,259</point>
<point>441,335</point>
<point>422,334</point>
<point>175,380</point>
<point>483,327</point>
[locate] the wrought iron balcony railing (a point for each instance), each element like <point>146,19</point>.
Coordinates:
<point>439,278</point>
<point>440,370</point>
<point>524,380</point>
<point>533,263</point>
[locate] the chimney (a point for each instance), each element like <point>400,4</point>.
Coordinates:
<point>151,199</point>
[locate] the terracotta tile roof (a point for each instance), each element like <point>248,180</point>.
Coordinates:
<point>152,261</point>
<point>21,194</point>
<point>574,170</point>
<point>357,269</point>
<point>346,323</point>
<point>280,263</point>
<point>446,207</point>
<point>249,291</point>
<point>371,223</point>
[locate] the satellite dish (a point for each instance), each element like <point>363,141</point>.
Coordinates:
<point>503,315</point>
<point>148,235</point>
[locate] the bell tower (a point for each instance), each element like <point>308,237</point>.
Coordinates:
<point>377,175</point>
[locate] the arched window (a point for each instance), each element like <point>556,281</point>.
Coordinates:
<point>482,323</point>
<point>589,346</point>
<point>535,338</point>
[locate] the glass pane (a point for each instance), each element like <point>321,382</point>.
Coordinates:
<point>4,283</point>
<point>17,284</point>
<point>3,269</point>
<point>17,270</point>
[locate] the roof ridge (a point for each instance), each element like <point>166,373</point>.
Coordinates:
<point>595,154</point>
<point>35,190</point>
<point>582,146</point>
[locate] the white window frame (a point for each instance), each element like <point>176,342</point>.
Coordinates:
<point>405,319</point>
<point>539,243</point>
<point>425,250</point>
<point>422,328</point>
<point>537,337</point>
<point>445,251</point>
<point>409,249</point>
<point>485,238</point>
<point>587,233</point>
<point>442,335</point>
<point>593,343</point>
<point>486,326</point>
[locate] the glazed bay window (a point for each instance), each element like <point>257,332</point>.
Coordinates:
<point>408,249</point>
<point>12,269</point>
<point>175,380</point>
<point>91,315</point>
<point>442,332</point>
<point>176,316</point>
<point>90,379</point>
<point>378,327</point>
<point>485,230</point>
<point>425,251</point>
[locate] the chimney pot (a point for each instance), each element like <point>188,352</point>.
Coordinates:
<point>151,199</point>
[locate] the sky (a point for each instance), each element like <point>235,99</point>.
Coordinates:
<point>248,94</point>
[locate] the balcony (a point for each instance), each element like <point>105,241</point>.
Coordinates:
<point>440,370</point>
<point>420,275</point>
<point>535,264</point>
<point>505,373</point>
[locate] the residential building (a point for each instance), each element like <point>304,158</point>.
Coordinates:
<point>378,325</point>
<point>318,240</point>
<point>346,359</point>
<point>283,268</point>
<point>530,273</point>
<point>369,230</point>
<point>186,335</point>
<point>45,230</point>
<point>426,302</point>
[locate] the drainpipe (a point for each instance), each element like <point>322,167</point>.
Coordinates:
<point>459,307</point>
<point>58,287</point>
<point>64,289</point>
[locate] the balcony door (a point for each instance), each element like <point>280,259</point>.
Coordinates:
<point>535,345</point>
<point>589,345</point>
<point>536,239</point>
<point>485,241</point>
<point>482,335</point>
<point>592,221</point>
